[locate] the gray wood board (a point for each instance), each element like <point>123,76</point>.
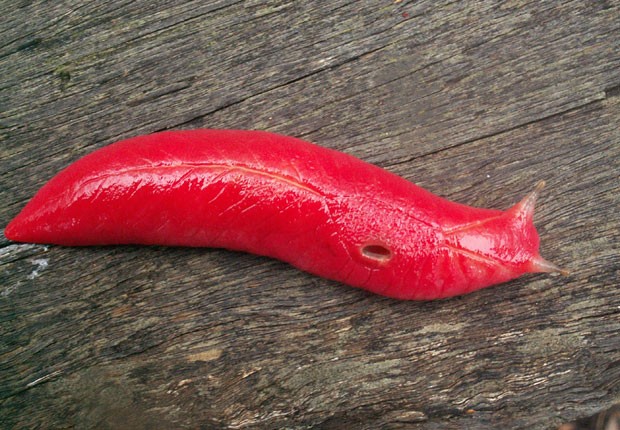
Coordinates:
<point>475,101</point>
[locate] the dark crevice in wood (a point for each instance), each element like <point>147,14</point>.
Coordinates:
<point>613,91</point>
<point>192,121</point>
<point>607,419</point>
<point>500,132</point>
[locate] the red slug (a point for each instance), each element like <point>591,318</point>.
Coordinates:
<point>320,210</point>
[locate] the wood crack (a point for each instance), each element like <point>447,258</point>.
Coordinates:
<point>613,91</point>
<point>319,70</point>
<point>498,132</point>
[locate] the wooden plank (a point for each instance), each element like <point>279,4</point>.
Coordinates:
<point>473,102</point>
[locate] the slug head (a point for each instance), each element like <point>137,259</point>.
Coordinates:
<point>500,248</point>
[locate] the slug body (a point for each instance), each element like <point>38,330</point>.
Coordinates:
<point>320,210</point>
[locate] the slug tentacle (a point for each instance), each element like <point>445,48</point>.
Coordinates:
<point>525,209</point>
<point>540,265</point>
<point>527,205</point>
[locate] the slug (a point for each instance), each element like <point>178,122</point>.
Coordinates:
<point>321,210</point>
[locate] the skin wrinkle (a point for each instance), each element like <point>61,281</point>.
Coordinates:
<point>183,176</point>
<point>218,236</point>
<point>163,225</point>
<point>340,242</point>
<point>233,206</point>
<point>348,275</point>
<point>387,287</point>
<point>294,167</point>
<point>206,166</point>
<point>99,190</point>
<point>221,190</point>
<point>418,271</point>
<point>306,250</point>
<point>135,189</point>
<point>400,285</point>
<point>93,196</point>
<point>454,264</point>
<point>407,275</point>
<point>371,271</point>
<point>464,227</point>
<point>472,255</point>
<point>331,220</point>
<point>244,169</point>
<point>238,215</point>
<point>252,206</point>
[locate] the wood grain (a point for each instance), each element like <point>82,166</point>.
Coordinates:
<point>475,101</point>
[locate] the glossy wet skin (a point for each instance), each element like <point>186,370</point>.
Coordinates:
<point>323,211</point>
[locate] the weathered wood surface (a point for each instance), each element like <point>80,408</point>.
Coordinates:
<point>475,101</point>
